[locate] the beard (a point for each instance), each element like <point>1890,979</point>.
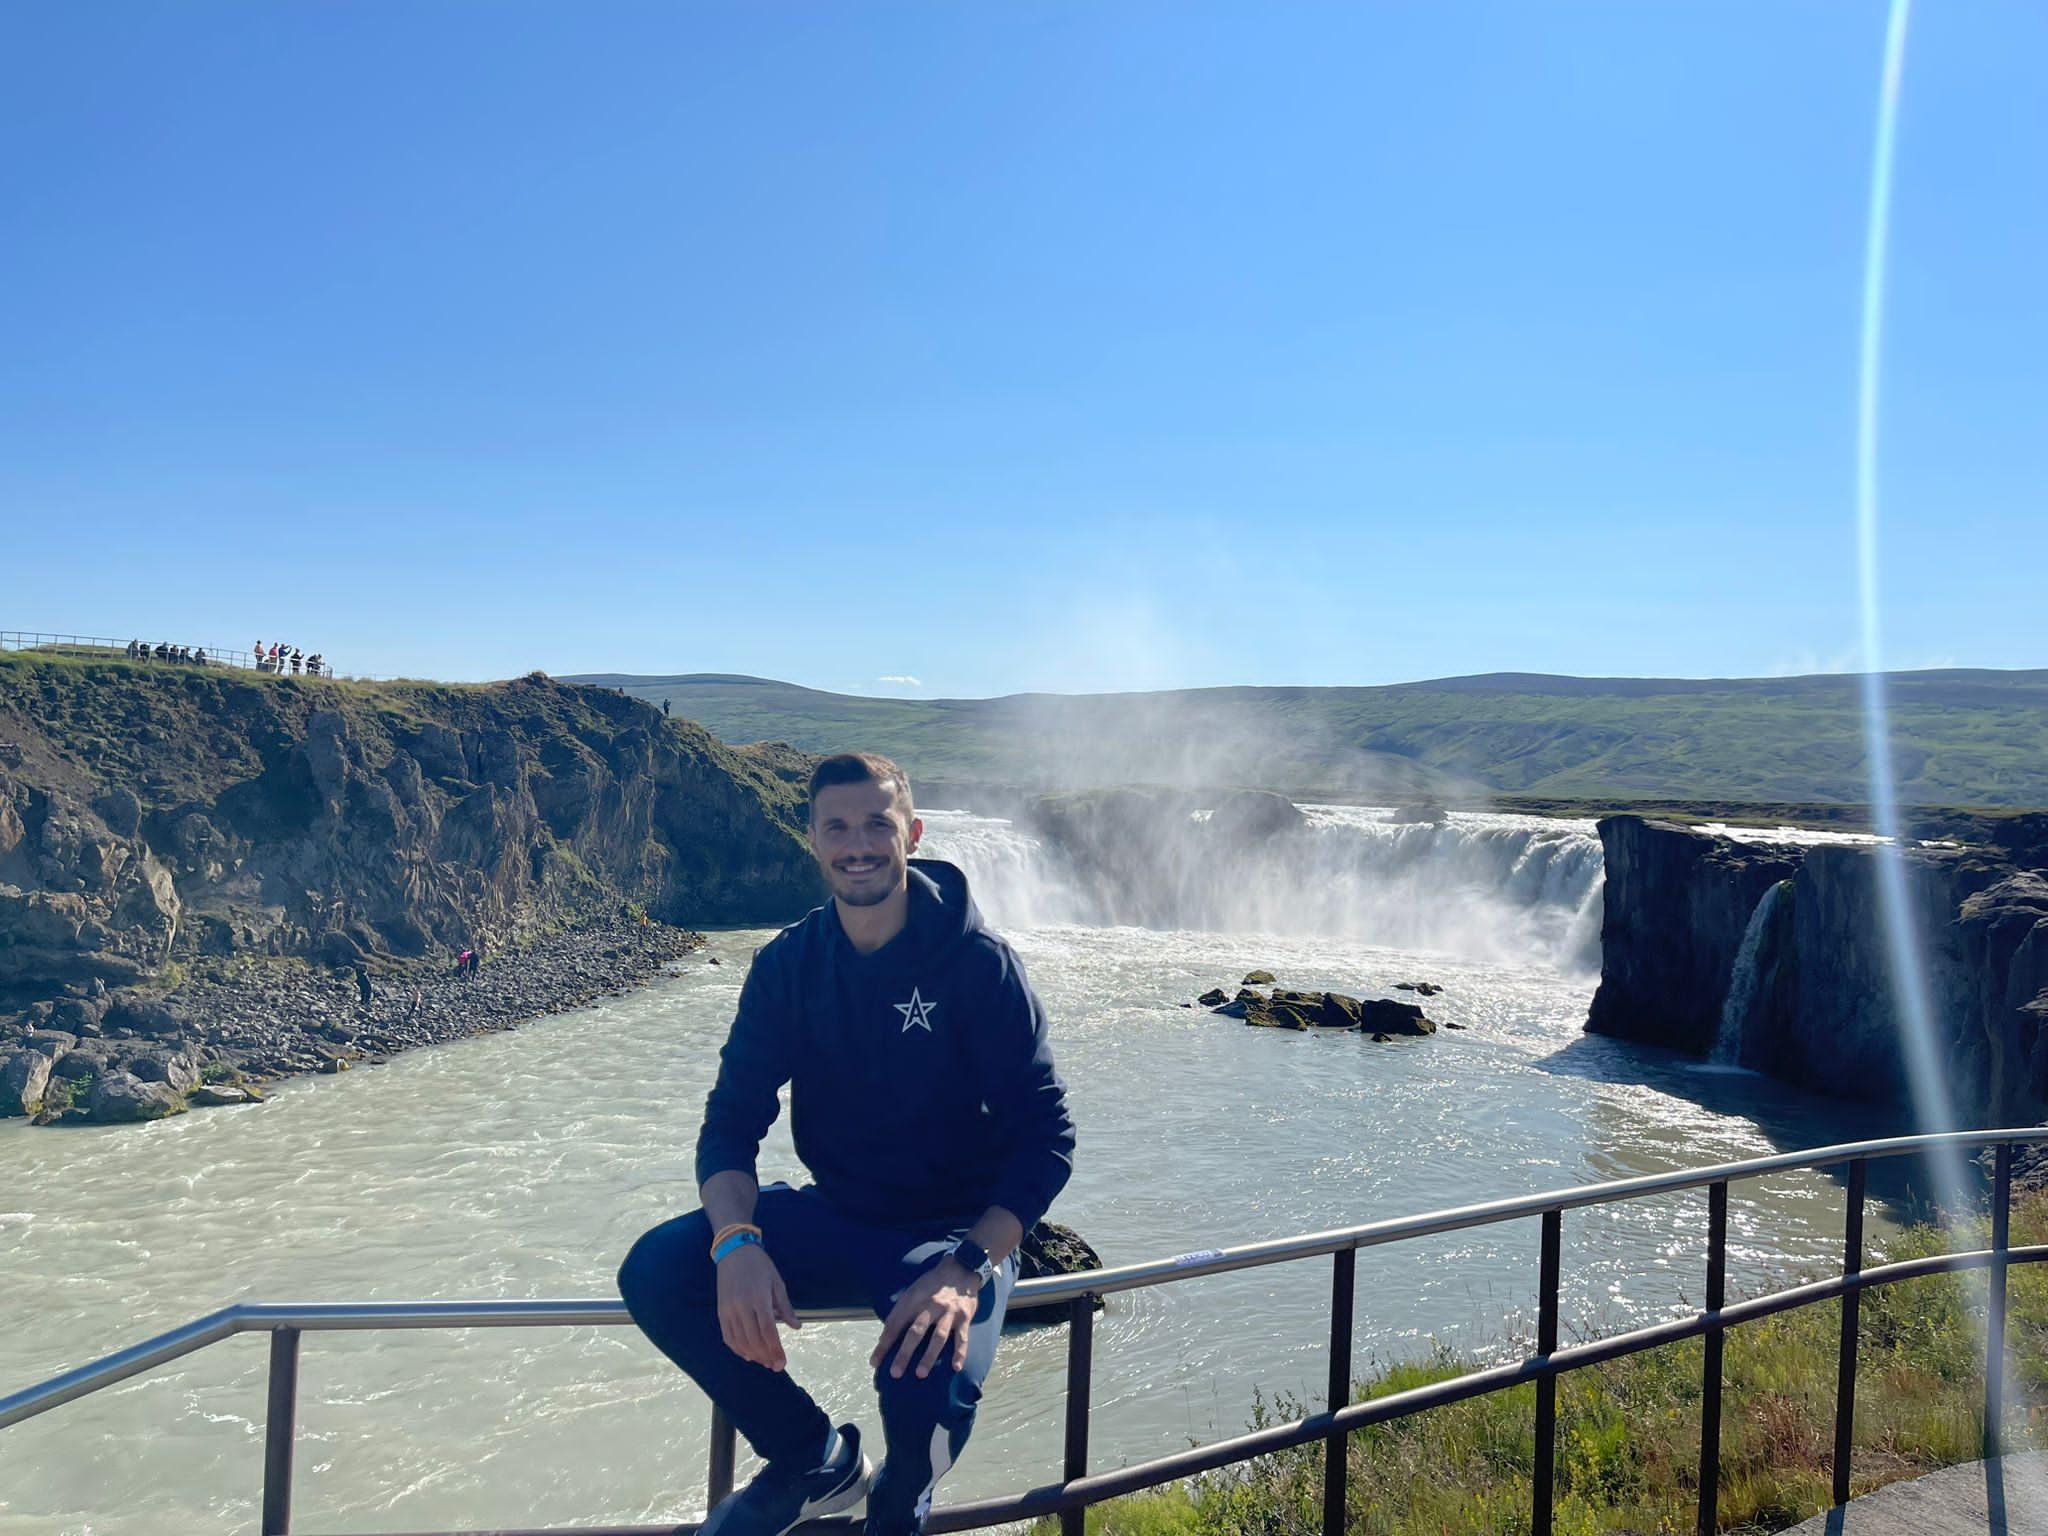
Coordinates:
<point>870,892</point>
<point>869,898</point>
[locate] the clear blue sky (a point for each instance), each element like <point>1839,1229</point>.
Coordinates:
<point>1006,346</point>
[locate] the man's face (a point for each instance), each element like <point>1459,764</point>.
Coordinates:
<point>863,836</point>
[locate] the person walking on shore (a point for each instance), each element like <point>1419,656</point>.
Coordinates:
<point>893,994</point>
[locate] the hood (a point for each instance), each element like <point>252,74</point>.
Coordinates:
<point>942,916</point>
<point>942,910</point>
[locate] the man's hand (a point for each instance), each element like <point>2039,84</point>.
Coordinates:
<point>751,1301</point>
<point>934,1314</point>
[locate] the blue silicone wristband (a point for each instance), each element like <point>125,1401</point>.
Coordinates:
<point>733,1244</point>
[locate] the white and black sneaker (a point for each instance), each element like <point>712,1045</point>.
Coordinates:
<point>779,1499</point>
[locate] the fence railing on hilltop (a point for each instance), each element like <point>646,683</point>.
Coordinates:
<point>1078,1295</point>
<point>104,648</point>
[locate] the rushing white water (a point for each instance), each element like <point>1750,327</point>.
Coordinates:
<point>523,1164</point>
<point>1513,889</point>
<point>1727,1050</point>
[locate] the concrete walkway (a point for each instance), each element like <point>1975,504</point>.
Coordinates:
<point>2006,1497</point>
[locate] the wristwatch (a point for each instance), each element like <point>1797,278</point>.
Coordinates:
<point>971,1256</point>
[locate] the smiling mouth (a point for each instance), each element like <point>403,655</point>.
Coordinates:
<point>857,870</point>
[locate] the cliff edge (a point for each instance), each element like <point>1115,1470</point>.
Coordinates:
<point>153,817</point>
<point>1774,956</point>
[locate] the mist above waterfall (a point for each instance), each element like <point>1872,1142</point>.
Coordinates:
<point>1511,889</point>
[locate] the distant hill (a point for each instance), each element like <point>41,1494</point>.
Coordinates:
<point>1960,737</point>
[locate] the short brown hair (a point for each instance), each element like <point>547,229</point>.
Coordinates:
<point>858,768</point>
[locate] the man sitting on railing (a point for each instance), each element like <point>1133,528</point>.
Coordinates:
<point>927,1110</point>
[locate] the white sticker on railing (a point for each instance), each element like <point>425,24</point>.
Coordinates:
<point>1182,1261</point>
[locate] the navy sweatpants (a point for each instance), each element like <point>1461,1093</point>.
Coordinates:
<point>826,1259</point>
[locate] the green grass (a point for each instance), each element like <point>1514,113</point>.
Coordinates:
<point>1628,1431</point>
<point>1974,738</point>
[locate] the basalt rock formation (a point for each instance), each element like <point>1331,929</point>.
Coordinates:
<point>1776,957</point>
<point>158,822</point>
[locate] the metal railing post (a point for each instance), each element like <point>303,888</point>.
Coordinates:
<point>724,1450</point>
<point>1080,1372</point>
<point>1845,1370</point>
<point>280,1428</point>
<point>1343,1295</point>
<point>1716,1341</point>
<point>1994,1315</point>
<point>1546,1389</point>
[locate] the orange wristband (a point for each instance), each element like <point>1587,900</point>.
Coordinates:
<point>727,1231</point>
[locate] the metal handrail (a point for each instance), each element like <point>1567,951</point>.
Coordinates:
<point>105,648</point>
<point>1069,1498</point>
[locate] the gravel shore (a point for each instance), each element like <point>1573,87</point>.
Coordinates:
<point>277,1026</point>
<point>136,1056</point>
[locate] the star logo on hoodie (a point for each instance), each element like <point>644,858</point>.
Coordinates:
<point>917,1011</point>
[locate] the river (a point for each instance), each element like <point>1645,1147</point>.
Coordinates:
<point>523,1164</point>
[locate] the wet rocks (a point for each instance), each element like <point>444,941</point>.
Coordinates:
<point>1051,1249</point>
<point>1265,1005</point>
<point>120,1097</point>
<point>1390,1018</point>
<point>213,1095</point>
<point>22,1082</point>
<point>211,1040</point>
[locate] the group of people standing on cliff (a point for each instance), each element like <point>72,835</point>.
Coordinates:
<point>142,650</point>
<point>280,657</point>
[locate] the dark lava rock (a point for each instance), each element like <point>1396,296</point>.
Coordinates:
<point>175,1069</point>
<point>142,1014</point>
<point>118,1097</point>
<point>22,1083</point>
<point>1390,1018</point>
<point>1051,1249</point>
<point>1213,998</point>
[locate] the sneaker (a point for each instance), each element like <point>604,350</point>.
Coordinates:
<point>779,1499</point>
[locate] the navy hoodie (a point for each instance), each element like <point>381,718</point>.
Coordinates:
<point>921,1084</point>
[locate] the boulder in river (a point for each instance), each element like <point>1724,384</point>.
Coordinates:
<point>1213,998</point>
<point>1385,1017</point>
<point>210,1095</point>
<point>22,1083</point>
<point>1051,1249</point>
<point>118,1097</point>
<point>1259,979</point>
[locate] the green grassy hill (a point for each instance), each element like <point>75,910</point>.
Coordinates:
<point>1960,737</point>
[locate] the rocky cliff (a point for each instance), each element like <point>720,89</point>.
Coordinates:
<point>1775,957</point>
<point>156,817</point>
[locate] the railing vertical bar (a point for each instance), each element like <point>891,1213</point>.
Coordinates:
<point>1845,1370</point>
<point>724,1455</point>
<point>1994,1315</point>
<point>1343,1296</point>
<point>1546,1389</point>
<point>1716,1341</point>
<point>280,1428</point>
<point>1080,1373</point>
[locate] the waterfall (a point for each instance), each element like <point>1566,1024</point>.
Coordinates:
<point>1510,889</point>
<point>1742,980</point>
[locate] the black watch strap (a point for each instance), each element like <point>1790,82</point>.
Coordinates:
<point>970,1255</point>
